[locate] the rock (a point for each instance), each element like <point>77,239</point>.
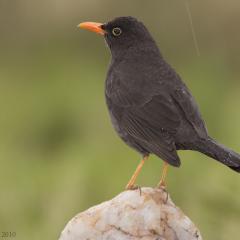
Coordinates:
<point>150,215</point>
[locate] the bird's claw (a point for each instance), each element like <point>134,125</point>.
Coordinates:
<point>134,187</point>
<point>162,185</point>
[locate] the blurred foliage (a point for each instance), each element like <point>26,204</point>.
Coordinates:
<point>58,152</point>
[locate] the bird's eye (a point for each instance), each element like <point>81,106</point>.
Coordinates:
<point>116,31</point>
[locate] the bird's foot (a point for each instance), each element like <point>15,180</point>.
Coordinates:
<point>163,187</point>
<point>131,184</point>
<point>162,184</point>
<point>133,187</point>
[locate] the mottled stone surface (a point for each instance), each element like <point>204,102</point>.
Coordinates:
<point>131,216</point>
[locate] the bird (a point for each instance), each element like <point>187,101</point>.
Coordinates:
<point>151,108</point>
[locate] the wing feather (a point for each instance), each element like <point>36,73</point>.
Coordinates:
<point>153,125</point>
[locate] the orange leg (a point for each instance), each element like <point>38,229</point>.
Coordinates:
<point>132,181</point>
<point>162,182</point>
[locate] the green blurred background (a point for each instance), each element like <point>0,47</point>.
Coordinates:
<point>58,152</point>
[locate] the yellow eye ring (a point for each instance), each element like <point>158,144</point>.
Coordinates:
<point>116,31</point>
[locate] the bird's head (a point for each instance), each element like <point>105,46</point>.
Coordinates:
<point>121,33</point>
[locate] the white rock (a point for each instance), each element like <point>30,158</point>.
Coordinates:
<point>131,216</point>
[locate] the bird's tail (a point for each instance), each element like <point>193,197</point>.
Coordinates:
<point>220,153</point>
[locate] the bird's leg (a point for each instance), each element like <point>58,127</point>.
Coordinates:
<point>162,182</point>
<point>131,183</point>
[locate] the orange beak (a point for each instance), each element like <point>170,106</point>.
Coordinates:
<point>92,26</point>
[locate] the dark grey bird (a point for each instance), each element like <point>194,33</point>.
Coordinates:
<point>151,108</point>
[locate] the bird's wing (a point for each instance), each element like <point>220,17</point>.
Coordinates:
<point>153,124</point>
<point>185,101</point>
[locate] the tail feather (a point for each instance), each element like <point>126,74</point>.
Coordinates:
<point>220,153</point>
